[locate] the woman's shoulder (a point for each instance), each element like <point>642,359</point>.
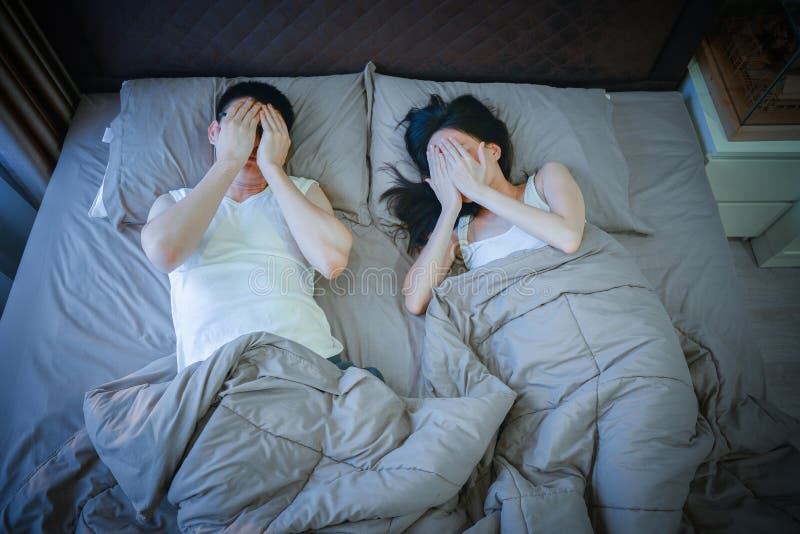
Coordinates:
<point>550,169</point>
<point>544,172</point>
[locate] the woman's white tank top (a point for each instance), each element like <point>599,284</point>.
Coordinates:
<point>482,252</point>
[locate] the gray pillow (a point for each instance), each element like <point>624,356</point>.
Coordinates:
<point>572,126</point>
<point>160,140</point>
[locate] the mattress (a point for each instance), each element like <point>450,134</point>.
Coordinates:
<point>87,307</point>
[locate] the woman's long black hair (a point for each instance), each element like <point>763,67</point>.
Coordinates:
<point>414,201</point>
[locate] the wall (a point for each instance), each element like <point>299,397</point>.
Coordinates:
<point>16,220</point>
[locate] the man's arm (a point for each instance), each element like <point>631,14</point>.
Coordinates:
<point>174,230</point>
<point>322,238</point>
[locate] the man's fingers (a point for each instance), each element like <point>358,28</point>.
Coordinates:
<point>279,119</point>
<point>244,108</point>
<point>273,125</point>
<point>231,111</point>
<point>248,117</point>
<point>236,114</point>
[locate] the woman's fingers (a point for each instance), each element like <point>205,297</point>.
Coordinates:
<point>448,152</point>
<point>455,157</point>
<point>442,164</point>
<point>459,147</point>
<point>433,164</point>
<point>482,154</point>
<point>451,149</point>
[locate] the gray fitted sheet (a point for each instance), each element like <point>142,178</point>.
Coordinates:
<point>86,306</point>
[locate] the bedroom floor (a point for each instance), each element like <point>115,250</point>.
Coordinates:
<point>773,298</point>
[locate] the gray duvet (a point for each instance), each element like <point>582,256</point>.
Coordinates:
<point>264,436</point>
<point>609,429</point>
<point>610,425</point>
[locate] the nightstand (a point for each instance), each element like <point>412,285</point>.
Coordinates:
<point>756,183</point>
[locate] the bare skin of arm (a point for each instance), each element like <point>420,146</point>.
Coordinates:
<point>437,256</point>
<point>175,229</point>
<point>462,173</point>
<point>322,238</point>
<point>561,227</point>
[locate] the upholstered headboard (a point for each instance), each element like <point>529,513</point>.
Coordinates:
<point>616,44</point>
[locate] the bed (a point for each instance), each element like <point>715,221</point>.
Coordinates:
<point>86,306</point>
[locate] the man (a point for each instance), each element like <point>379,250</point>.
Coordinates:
<point>239,247</point>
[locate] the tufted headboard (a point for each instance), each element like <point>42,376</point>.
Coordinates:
<point>615,44</point>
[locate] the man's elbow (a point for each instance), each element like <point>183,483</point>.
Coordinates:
<point>335,262</point>
<point>163,258</point>
<point>334,265</point>
<point>166,261</point>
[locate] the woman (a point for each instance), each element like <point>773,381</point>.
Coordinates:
<point>466,205</point>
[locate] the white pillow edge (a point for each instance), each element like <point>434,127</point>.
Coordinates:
<point>98,209</point>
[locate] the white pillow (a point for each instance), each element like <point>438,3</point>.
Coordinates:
<point>98,209</point>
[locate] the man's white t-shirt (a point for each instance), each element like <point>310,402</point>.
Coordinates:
<point>247,275</point>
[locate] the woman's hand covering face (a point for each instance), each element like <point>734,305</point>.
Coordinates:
<point>466,174</point>
<point>445,189</point>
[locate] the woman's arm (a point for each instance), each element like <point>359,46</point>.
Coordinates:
<point>322,238</point>
<point>561,227</point>
<point>436,257</point>
<point>432,264</point>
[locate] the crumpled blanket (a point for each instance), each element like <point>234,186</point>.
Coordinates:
<point>611,431</point>
<point>264,436</point>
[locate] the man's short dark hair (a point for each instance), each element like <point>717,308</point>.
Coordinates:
<point>263,92</point>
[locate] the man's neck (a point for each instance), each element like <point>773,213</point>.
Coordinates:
<point>245,185</point>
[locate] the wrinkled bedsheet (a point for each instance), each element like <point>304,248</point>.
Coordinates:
<point>264,436</point>
<point>611,424</point>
